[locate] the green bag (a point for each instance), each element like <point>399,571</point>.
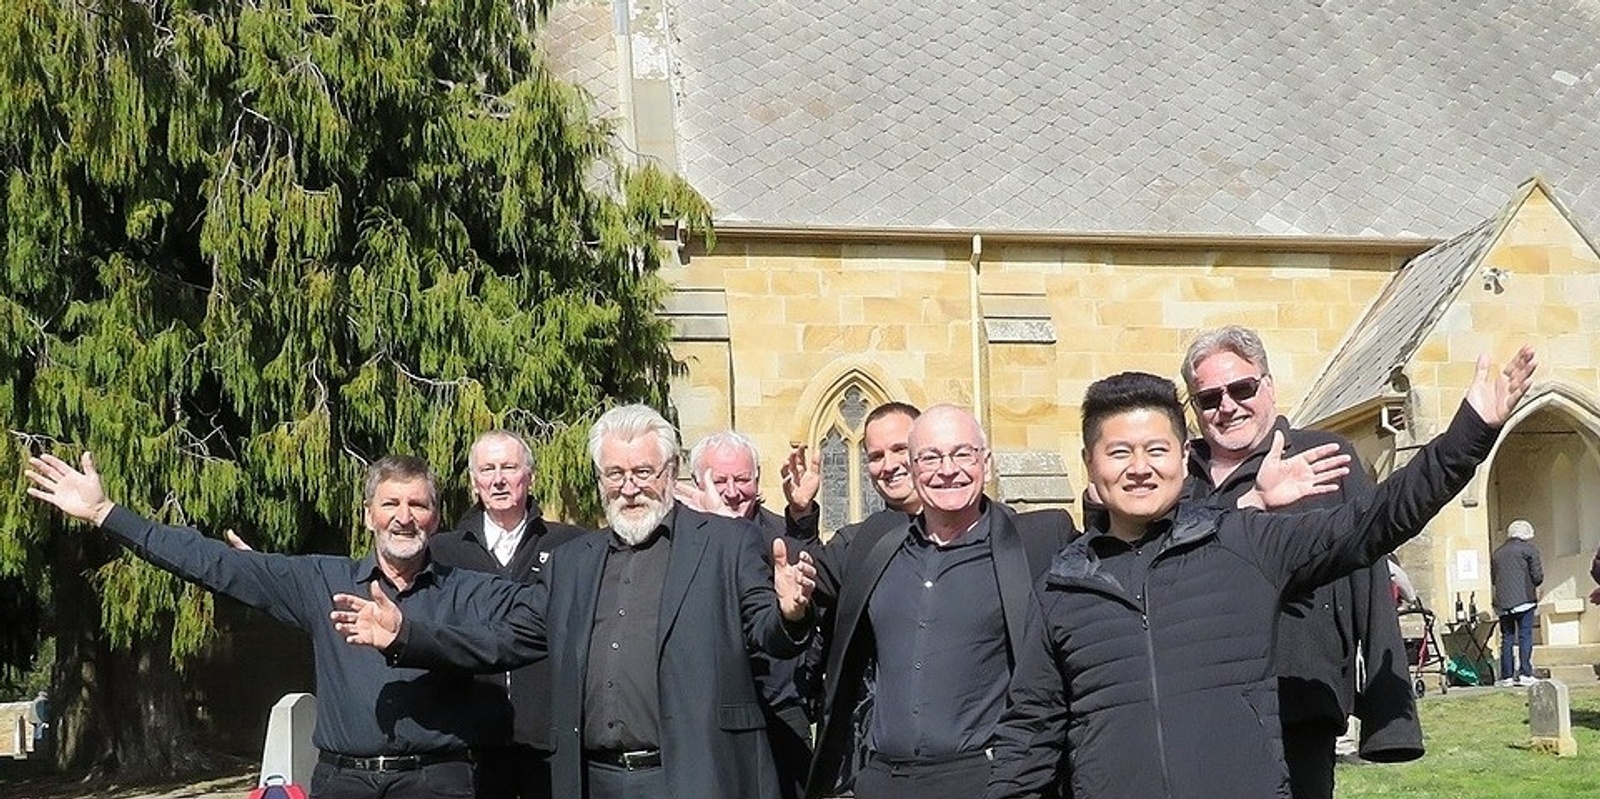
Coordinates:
<point>1461,671</point>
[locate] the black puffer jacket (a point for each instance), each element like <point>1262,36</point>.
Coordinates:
<point>1321,630</point>
<point>1176,697</point>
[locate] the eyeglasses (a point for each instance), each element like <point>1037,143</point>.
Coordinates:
<point>962,457</point>
<point>640,475</point>
<point>1239,390</point>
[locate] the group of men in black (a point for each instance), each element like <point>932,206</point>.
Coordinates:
<point>1184,644</point>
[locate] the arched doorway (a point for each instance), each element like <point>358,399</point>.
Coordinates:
<point>1547,471</point>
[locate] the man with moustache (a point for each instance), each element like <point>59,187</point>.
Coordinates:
<point>1147,666</point>
<point>935,604</point>
<point>382,732</point>
<point>647,626</point>
<point>1320,630</point>
<point>726,472</point>
<point>504,535</point>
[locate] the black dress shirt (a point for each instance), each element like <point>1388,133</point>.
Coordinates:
<point>622,702</point>
<point>364,707</point>
<point>941,647</point>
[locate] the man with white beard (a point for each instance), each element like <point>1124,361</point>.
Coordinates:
<point>646,627</point>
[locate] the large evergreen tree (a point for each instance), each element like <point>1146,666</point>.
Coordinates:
<point>250,245</point>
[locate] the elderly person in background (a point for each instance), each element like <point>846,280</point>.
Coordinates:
<point>726,471</point>
<point>1516,573</point>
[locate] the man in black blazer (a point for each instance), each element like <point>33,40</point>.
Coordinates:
<point>648,627</point>
<point>504,535</point>
<point>934,603</point>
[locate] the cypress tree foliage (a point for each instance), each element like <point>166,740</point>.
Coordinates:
<point>248,246</point>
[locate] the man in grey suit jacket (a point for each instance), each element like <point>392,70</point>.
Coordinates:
<point>647,626</point>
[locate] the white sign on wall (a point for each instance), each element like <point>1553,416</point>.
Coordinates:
<point>1466,564</point>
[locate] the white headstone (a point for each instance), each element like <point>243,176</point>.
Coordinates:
<point>288,752</point>
<point>1550,718</point>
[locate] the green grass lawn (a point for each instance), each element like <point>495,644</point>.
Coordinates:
<point>1477,746</point>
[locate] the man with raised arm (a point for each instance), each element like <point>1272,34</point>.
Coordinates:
<point>1147,667</point>
<point>1321,630</point>
<point>648,627</point>
<point>382,732</point>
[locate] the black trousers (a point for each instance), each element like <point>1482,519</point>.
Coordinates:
<point>452,779</point>
<point>959,777</point>
<point>789,736</point>
<point>1308,750</point>
<point>513,771</point>
<point>615,782</point>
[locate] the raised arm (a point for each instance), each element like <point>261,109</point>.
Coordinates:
<point>272,583</point>
<point>1313,547</point>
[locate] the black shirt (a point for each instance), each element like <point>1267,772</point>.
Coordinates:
<point>1129,563</point>
<point>941,647</point>
<point>364,707</point>
<point>622,701</point>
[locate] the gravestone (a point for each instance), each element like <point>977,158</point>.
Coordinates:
<point>1550,718</point>
<point>288,752</point>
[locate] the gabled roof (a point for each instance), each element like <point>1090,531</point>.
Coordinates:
<point>1318,117</point>
<point>1394,327</point>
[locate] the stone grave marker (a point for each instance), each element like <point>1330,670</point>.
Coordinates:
<point>1550,718</point>
<point>288,752</point>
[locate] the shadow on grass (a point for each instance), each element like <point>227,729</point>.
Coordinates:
<point>1588,719</point>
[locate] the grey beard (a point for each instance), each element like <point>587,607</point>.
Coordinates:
<point>634,533</point>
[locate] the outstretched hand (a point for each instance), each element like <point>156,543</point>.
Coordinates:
<point>802,478</point>
<point>702,495</point>
<point>371,622</point>
<point>1495,398</point>
<point>1283,481</point>
<point>792,581</point>
<point>78,494</point>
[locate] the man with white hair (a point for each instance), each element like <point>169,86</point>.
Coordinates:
<point>726,471</point>
<point>1516,573</point>
<point>647,626</point>
<point>503,534</point>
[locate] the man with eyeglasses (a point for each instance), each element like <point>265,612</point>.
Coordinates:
<point>726,471</point>
<point>935,603</point>
<point>1320,630</point>
<point>648,627</point>
<point>504,535</point>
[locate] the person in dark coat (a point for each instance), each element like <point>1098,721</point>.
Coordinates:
<point>648,627</point>
<point>725,469</point>
<point>935,605</point>
<point>504,535</point>
<point>1147,669</point>
<point>1516,572</point>
<point>1321,630</point>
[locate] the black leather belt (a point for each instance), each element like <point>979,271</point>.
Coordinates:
<point>392,762</point>
<point>632,761</point>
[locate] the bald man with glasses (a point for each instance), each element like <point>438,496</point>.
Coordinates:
<point>933,605</point>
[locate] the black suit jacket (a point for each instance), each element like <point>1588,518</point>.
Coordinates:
<point>717,605</point>
<point>1022,545</point>
<point>525,718</point>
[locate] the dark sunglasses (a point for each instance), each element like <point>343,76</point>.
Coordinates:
<point>1240,390</point>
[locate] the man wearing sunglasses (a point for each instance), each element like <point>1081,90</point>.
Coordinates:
<point>1234,401</point>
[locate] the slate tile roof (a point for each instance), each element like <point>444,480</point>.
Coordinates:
<point>1306,117</point>
<point>1393,328</point>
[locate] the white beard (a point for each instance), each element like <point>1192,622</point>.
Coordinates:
<point>635,530</point>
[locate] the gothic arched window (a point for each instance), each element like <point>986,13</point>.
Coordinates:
<point>846,494</point>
